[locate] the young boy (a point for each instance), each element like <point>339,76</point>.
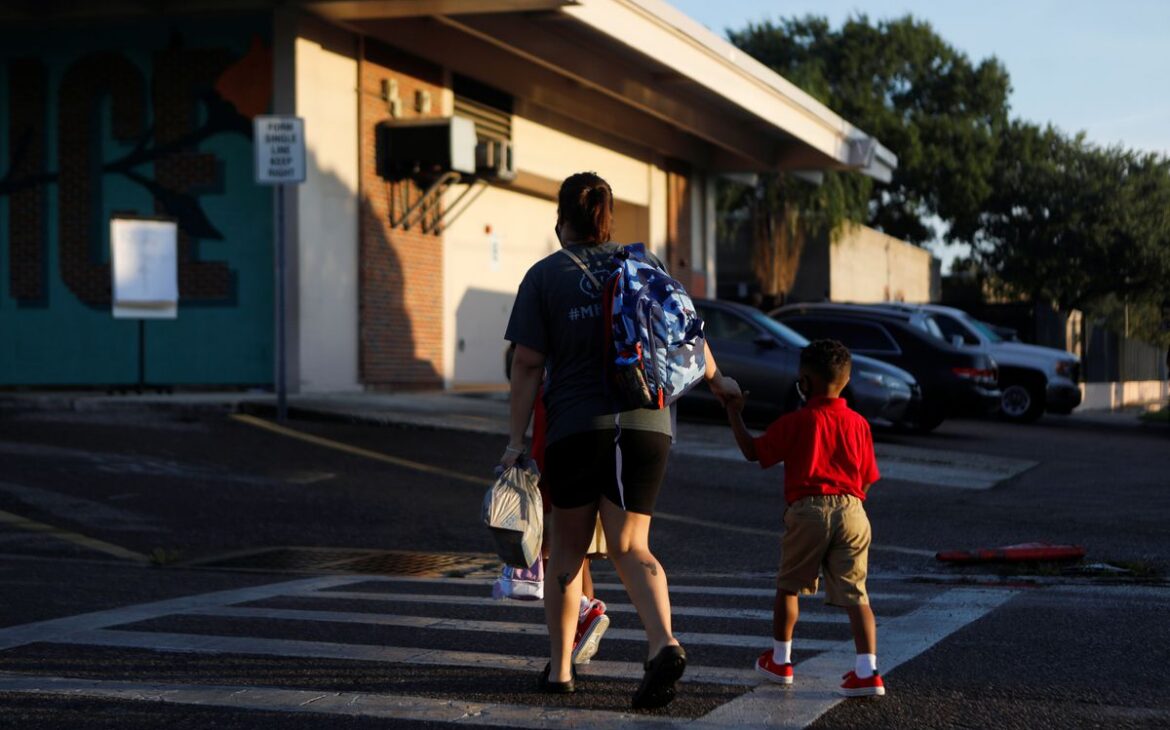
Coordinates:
<point>827,450</point>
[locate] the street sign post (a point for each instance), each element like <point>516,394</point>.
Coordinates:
<point>280,161</point>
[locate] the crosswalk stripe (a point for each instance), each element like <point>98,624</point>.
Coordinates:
<point>675,610</point>
<point>389,706</point>
<point>748,592</point>
<point>55,629</point>
<point>213,644</point>
<point>679,589</point>
<point>497,627</point>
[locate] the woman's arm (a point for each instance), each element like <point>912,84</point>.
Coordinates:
<point>722,387</point>
<point>527,375</point>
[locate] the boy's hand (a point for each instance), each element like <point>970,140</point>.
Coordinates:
<point>735,402</point>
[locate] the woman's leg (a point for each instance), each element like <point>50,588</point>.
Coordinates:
<point>571,531</point>
<point>628,538</point>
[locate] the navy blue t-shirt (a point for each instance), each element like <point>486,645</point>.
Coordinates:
<point>558,312</point>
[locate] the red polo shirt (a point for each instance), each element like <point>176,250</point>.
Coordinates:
<point>826,447</point>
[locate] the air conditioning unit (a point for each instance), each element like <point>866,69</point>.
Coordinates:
<point>424,148</point>
<point>494,160</point>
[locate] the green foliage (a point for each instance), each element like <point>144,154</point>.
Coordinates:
<point>1082,226</point>
<point>924,99</point>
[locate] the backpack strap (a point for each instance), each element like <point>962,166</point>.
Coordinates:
<point>577,260</point>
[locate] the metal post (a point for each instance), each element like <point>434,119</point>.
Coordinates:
<point>281,364</point>
<point>141,355</point>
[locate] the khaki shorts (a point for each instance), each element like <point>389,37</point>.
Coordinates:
<point>826,534</point>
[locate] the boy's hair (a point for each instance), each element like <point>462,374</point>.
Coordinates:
<point>827,358</point>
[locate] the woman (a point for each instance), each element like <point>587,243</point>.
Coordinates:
<point>597,457</point>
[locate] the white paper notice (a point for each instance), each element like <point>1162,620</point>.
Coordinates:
<point>145,267</point>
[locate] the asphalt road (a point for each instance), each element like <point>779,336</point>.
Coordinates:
<point>104,511</point>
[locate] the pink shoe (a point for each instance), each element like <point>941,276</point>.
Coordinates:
<point>855,686</point>
<point>590,628</point>
<point>778,673</point>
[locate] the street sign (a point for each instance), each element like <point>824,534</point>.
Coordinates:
<point>280,149</point>
<point>280,161</point>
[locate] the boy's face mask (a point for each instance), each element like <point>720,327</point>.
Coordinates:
<point>802,388</point>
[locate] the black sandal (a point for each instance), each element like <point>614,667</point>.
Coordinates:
<point>657,688</point>
<point>557,688</point>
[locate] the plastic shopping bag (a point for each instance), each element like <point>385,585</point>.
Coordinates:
<point>514,514</point>
<point>521,584</point>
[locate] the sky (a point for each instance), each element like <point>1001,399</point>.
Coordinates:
<point>1098,66</point>
<point>1101,66</point>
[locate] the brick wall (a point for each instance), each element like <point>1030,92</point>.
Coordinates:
<point>401,272</point>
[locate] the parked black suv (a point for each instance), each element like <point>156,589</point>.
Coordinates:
<point>953,381</point>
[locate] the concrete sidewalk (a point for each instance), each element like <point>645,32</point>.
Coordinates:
<point>476,411</point>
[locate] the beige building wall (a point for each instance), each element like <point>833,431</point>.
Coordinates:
<point>868,266</point>
<point>326,245</point>
<point>486,253</point>
<point>491,245</point>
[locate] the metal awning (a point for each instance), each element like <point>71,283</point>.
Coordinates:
<point>699,97</point>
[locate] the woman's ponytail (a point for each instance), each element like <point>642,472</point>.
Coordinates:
<point>585,202</point>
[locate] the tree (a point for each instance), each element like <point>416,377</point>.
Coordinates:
<point>924,99</point>
<point>1082,226</point>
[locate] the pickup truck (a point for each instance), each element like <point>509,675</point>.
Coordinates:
<point>1033,379</point>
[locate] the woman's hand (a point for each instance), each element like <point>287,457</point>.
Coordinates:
<point>724,388</point>
<point>511,455</point>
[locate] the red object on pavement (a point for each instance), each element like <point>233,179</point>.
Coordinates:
<point>1028,552</point>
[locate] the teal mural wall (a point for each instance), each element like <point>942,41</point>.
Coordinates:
<point>148,118</point>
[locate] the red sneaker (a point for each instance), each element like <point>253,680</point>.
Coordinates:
<point>590,628</point>
<point>855,686</point>
<point>778,673</point>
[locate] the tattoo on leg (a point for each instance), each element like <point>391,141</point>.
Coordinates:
<point>563,579</point>
<point>650,566</point>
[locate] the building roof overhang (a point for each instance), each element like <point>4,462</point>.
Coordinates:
<point>648,55</point>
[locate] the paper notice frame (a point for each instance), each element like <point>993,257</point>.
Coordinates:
<point>144,267</point>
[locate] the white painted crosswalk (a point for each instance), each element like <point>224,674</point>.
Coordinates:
<point>411,626</point>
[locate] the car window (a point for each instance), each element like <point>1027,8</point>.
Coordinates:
<point>985,329</point>
<point>854,335</point>
<point>813,329</point>
<point>951,327</point>
<point>933,328</point>
<point>722,325</point>
<point>781,332</point>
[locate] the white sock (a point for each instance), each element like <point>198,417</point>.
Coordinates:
<point>782,652</point>
<point>866,666</point>
<point>584,605</point>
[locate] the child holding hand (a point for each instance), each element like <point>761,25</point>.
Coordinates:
<point>829,465</point>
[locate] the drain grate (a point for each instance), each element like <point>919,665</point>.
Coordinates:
<point>339,560</point>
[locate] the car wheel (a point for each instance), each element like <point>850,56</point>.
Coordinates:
<point>1021,402</point>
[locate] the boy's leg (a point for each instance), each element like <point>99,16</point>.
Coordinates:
<point>801,551</point>
<point>785,612</point>
<point>864,629</point>
<point>587,581</point>
<point>846,569</point>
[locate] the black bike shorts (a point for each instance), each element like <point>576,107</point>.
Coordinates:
<point>627,469</point>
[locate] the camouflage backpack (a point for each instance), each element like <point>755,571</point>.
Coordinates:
<point>654,335</point>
